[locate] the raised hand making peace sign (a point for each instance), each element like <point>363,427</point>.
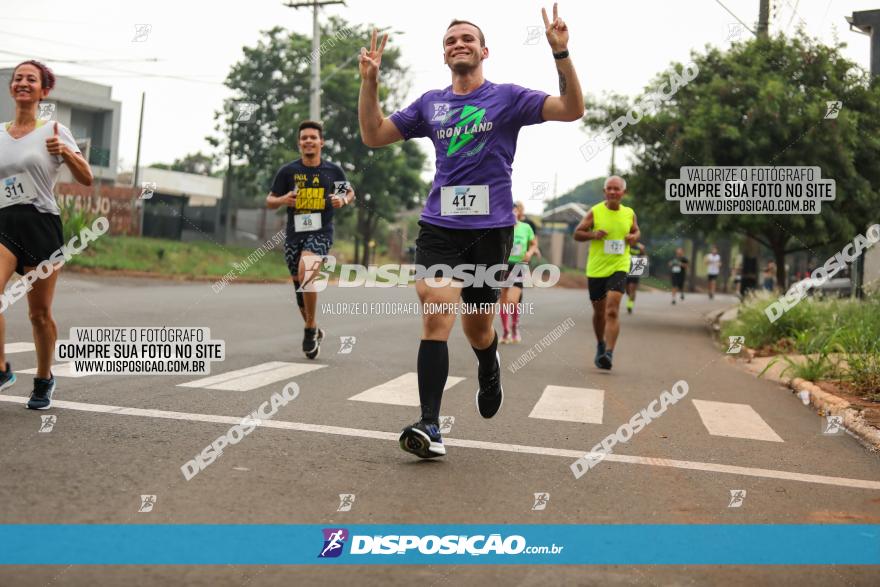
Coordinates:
<point>370,60</point>
<point>557,31</point>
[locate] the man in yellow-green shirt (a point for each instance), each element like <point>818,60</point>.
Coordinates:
<point>611,228</point>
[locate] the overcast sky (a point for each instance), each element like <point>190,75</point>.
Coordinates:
<point>616,46</point>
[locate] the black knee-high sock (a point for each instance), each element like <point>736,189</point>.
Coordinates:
<point>433,368</point>
<point>486,357</point>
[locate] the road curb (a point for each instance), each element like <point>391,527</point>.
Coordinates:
<point>809,393</point>
<point>829,404</point>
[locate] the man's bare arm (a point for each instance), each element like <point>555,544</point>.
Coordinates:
<point>568,106</point>
<point>376,129</point>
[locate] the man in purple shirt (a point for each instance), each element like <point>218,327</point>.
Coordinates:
<point>468,218</point>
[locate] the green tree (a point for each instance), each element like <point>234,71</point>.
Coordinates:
<point>197,163</point>
<point>588,193</point>
<point>762,102</point>
<point>274,75</point>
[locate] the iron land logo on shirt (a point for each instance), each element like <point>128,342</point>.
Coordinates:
<point>467,128</point>
<point>334,542</point>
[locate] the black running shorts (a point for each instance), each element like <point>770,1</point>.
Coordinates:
<point>600,286</point>
<point>32,236</point>
<point>436,245</point>
<point>516,281</point>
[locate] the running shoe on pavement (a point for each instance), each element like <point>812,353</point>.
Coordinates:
<point>600,351</point>
<point>423,440</point>
<point>490,396</point>
<point>7,378</point>
<point>604,362</point>
<point>41,396</point>
<point>312,342</point>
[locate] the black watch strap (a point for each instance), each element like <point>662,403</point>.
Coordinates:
<point>561,55</point>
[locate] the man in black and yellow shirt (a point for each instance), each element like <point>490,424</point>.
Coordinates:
<point>312,189</point>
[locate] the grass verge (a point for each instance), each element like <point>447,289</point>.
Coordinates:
<point>818,328</point>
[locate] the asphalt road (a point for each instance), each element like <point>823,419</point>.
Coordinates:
<point>95,463</point>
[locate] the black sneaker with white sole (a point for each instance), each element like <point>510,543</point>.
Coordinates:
<point>490,396</point>
<point>312,342</point>
<point>41,396</point>
<point>7,378</point>
<point>423,440</point>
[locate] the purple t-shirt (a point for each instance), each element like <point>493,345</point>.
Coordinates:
<point>474,137</point>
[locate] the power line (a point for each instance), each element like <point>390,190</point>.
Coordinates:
<point>137,73</point>
<point>53,41</point>
<point>736,17</point>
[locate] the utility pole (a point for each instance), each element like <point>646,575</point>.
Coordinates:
<point>315,83</point>
<point>868,23</point>
<point>750,272</point>
<point>137,169</point>
<point>221,228</point>
<point>763,19</point>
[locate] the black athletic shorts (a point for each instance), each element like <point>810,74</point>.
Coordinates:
<point>632,278</point>
<point>32,236</point>
<point>436,245</point>
<point>678,280</point>
<point>712,277</point>
<point>600,286</point>
<point>517,281</point>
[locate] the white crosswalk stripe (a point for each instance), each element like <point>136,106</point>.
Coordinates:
<point>253,377</point>
<point>400,391</point>
<point>18,347</point>
<point>570,404</point>
<point>734,421</point>
<point>59,370</point>
<point>559,403</point>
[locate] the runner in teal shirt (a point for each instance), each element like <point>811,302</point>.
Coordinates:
<point>525,245</point>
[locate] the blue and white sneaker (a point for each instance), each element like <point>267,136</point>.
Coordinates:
<point>7,378</point>
<point>604,362</point>
<point>423,440</point>
<point>41,396</point>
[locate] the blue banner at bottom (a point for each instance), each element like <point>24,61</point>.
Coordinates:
<point>477,544</point>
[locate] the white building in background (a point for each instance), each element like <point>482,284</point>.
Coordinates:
<point>91,115</point>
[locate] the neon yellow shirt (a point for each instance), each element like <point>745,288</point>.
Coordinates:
<point>610,254</point>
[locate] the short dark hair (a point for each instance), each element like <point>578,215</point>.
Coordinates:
<point>312,124</point>
<point>479,30</point>
<point>47,78</point>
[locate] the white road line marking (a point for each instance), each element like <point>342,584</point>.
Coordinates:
<point>734,421</point>
<point>496,446</point>
<point>18,347</point>
<point>400,391</point>
<point>571,404</point>
<point>253,377</point>
<point>59,370</point>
